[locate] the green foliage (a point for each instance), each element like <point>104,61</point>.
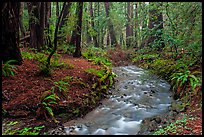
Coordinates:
<point>42,59</point>
<point>25,131</point>
<point>30,130</point>
<point>68,78</point>
<point>97,55</point>
<point>76,111</point>
<point>172,127</point>
<point>48,103</point>
<point>145,57</point>
<point>27,55</point>
<point>181,78</point>
<point>45,70</point>
<point>8,69</point>
<point>61,85</point>
<point>12,123</point>
<point>100,73</point>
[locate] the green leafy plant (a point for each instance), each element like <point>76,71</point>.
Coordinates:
<point>8,69</point>
<point>12,123</point>
<point>30,130</point>
<point>62,85</point>
<point>48,102</point>
<point>182,78</point>
<point>27,55</point>
<point>172,127</point>
<point>44,70</point>
<point>100,73</point>
<point>97,55</point>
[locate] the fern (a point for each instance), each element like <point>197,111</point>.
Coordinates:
<point>8,69</point>
<point>184,78</point>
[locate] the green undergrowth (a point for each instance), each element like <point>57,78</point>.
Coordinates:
<point>8,69</point>
<point>183,73</point>
<point>97,56</point>
<point>42,59</point>
<point>12,130</point>
<point>173,128</point>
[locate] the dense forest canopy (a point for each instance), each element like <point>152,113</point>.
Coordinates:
<point>163,37</point>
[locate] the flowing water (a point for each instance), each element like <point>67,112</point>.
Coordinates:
<point>136,95</point>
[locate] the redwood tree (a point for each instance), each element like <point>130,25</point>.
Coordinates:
<point>10,32</point>
<point>36,21</point>
<point>110,25</point>
<point>92,24</point>
<point>156,27</point>
<point>77,32</point>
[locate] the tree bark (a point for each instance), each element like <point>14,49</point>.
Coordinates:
<point>57,10</point>
<point>36,32</point>
<point>77,52</point>
<point>92,24</point>
<point>136,26</point>
<point>128,31</point>
<point>10,32</point>
<point>65,14</point>
<point>42,24</point>
<point>156,27</point>
<point>88,25</point>
<point>55,37</point>
<point>110,25</point>
<point>21,20</point>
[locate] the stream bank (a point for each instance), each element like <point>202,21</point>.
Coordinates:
<point>136,106</point>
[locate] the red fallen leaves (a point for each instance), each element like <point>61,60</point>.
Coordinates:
<point>26,87</point>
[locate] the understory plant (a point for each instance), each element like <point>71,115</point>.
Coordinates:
<point>173,127</point>
<point>49,100</point>
<point>8,69</point>
<point>97,55</point>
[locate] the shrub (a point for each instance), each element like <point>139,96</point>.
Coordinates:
<point>8,69</point>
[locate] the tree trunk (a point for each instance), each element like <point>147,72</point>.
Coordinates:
<point>128,31</point>
<point>36,31</point>
<point>10,32</point>
<point>110,25</point>
<point>47,13</point>
<point>136,26</point>
<point>21,20</point>
<point>79,10</point>
<point>42,25</point>
<point>92,24</point>
<point>65,14</point>
<point>57,10</point>
<point>156,27</point>
<point>55,37</point>
<point>87,26</point>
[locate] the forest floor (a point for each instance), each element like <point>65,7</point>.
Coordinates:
<point>23,92</point>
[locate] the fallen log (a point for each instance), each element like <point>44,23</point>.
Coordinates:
<point>24,38</point>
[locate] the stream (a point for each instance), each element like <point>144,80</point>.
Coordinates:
<point>136,95</point>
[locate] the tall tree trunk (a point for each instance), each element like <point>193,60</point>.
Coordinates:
<point>10,32</point>
<point>65,14</point>
<point>42,25</point>
<point>57,11</point>
<point>92,24</point>
<point>47,24</point>
<point>156,27</point>
<point>88,25</point>
<point>47,13</point>
<point>136,26</point>
<point>55,37</point>
<point>110,25</point>
<point>21,20</point>
<point>77,52</point>
<point>128,31</point>
<point>35,21</point>
<point>98,34</point>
